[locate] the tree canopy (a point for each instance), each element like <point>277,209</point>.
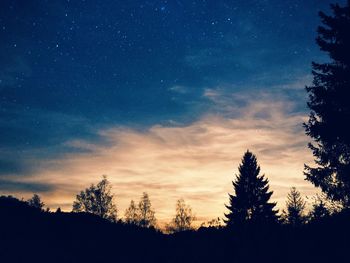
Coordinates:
<point>146,214</point>
<point>250,203</point>
<point>98,200</point>
<point>183,219</point>
<point>329,94</point>
<point>35,201</point>
<point>132,214</point>
<point>295,208</point>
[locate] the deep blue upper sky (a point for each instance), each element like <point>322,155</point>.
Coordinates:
<point>69,68</point>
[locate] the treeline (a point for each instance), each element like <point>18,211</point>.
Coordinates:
<point>30,234</point>
<point>99,200</point>
<point>250,203</point>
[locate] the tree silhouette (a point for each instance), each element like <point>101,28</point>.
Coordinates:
<point>36,202</point>
<point>319,210</point>
<point>146,213</point>
<point>213,223</point>
<point>322,207</point>
<point>132,214</point>
<point>295,208</point>
<point>98,200</point>
<point>251,200</point>
<point>329,118</point>
<point>183,219</point>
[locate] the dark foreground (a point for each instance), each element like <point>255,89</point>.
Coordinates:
<point>30,235</point>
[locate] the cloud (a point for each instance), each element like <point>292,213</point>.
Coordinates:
<point>179,89</point>
<point>9,167</point>
<point>29,137</point>
<point>298,84</point>
<point>13,186</point>
<point>196,162</point>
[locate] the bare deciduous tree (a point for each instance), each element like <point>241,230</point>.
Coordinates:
<point>183,219</point>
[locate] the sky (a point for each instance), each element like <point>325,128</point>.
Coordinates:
<point>163,97</point>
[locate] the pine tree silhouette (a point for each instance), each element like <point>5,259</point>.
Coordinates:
<point>251,200</point>
<point>295,208</point>
<point>329,103</point>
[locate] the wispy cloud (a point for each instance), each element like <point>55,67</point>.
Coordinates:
<point>196,162</point>
<point>179,89</point>
<point>13,186</point>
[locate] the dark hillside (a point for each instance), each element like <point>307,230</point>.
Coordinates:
<point>28,234</point>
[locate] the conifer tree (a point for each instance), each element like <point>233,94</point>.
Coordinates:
<point>319,210</point>
<point>250,203</point>
<point>295,208</point>
<point>322,207</point>
<point>329,104</point>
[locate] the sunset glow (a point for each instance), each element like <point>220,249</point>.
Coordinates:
<point>196,162</point>
<point>163,97</point>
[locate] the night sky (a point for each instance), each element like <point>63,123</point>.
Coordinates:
<point>162,96</point>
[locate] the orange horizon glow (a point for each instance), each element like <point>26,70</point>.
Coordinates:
<point>196,162</point>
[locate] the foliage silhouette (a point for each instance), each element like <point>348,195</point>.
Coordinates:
<point>36,202</point>
<point>98,200</point>
<point>321,208</point>
<point>250,203</point>
<point>295,208</point>
<point>183,219</point>
<point>213,223</point>
<point>85,237</point>
<point>146,215</point>
<point>328,124</point>
<point>132,214</point>
<point>28,234</point>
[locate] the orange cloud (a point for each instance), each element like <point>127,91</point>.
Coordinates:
<point>196,162</point>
